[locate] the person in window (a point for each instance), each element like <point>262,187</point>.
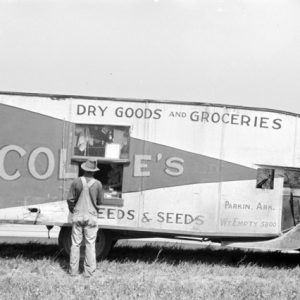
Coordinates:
<point>115,177</point>
<point>101,135</point>
<point>84,139</point>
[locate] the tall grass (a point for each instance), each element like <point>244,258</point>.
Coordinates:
<point>37,271</point>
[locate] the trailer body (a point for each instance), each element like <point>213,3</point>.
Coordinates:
<point>168,168</point>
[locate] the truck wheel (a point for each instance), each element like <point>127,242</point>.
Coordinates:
<point>103,242</point>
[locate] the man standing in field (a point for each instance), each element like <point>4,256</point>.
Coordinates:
<point>84,198</point>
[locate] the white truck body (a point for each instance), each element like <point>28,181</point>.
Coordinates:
<point>189,169</point>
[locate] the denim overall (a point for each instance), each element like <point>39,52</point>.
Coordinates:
<point>84,226</point>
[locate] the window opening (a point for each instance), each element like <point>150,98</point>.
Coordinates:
<point>291,179</point>
<point>111,177</point>
<point>102,141</point>
<point>265,178</point>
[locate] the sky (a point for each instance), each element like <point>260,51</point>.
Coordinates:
<point>240,52</point>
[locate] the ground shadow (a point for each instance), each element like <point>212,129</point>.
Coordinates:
<point>153,253</point>
<point>208,255</point>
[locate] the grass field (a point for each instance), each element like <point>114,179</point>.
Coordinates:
<point>39,271</point>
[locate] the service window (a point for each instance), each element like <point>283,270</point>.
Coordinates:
<point>109,144</point>
<point>101,141</point>
<point>265,178</point>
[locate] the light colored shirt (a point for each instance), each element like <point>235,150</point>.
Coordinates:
<point>96,193</point>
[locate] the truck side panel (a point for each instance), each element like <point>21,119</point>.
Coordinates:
<point>191,169</point>
<point>30,144</point>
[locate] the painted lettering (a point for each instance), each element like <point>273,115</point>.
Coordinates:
<point>215,118</point>
<point>139,113</point>
<point>140,165</point>
<point>235,119</point>
<point>177,114</point>
<point>102,110</point>
<point>268,224</point>
<point>179,218</point>
<point>80,109</point>
<point>3,152</point>
<point>50,166</point>
<point>194,116</point>
<point>92,110</point>
<point>277,124</point>
<point>264,122</point>
<point>31,163</point>
<point>261,206</point>
<point>229,205</point>
<point>130,214</point>
<point>225,118</point>
<point>236,222</point>
<point>245,120</point>
<point>174,166</point>
<point>204,116</point>
<point>255,121</point>
<point>115,214</point>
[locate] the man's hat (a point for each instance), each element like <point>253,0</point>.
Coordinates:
<point>90,166</point>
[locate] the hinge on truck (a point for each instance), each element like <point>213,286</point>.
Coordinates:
<point>35,210</point>
<point>292,208</point>
<point>295,208</point>
<point>49,227</point>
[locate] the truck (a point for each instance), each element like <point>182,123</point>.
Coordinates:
<point>189,170</point>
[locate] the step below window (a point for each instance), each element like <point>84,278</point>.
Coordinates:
<point>101,141</point>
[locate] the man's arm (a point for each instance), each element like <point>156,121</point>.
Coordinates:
<point>72,196</point>
<point>100,194</point>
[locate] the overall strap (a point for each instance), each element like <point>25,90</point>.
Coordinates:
<point>87,184</point>
<point>91,182</point>
<point>86,187</point>
<point>83,181</point>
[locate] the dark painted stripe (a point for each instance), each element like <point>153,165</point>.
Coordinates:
<point>29,130</point>
<point>197,168</point>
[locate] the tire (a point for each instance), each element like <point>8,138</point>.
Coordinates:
<point>103,242</point>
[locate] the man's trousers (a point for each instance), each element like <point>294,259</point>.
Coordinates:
<point>83,231</point>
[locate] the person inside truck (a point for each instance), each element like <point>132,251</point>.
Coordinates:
<point>84,139</point>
